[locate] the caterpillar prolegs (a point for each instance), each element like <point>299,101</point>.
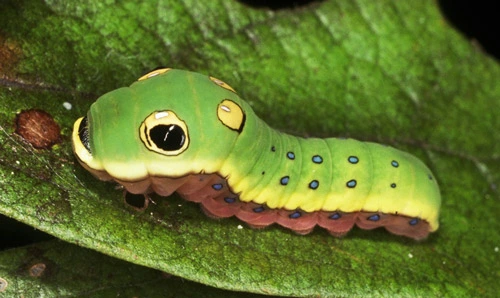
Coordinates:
<point>179,131</point>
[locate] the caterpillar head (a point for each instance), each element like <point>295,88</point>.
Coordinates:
<point>161,126</point>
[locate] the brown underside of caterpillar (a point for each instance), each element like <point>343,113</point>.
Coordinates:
<point>218,201</point>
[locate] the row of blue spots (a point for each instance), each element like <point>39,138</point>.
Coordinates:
<point>315,159</point>
<point>374,217</point>
<point>352,184</point>
<point>334,216</point>
<point>291,155</point>
<point>229,200</point>
<point>296,214</point>
<point>337,215</point>
<point>312,185</point>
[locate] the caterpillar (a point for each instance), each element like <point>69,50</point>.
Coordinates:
<point>180,131</point>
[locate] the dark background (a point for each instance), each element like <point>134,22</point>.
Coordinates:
<point>478,21</point>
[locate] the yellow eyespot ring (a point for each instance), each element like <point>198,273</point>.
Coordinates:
<point>222,84</point>
<point>154,73</point>
<point>163,132</point>
<point>231,115</point>
<point>80,149</point>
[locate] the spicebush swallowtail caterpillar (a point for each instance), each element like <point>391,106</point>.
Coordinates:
<point>179,131</point>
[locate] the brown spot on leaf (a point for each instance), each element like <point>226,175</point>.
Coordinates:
<point>37,270</point>
<point>10,54</point>
<point>38,128</point>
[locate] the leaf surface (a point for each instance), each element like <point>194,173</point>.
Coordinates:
<point>393,72</point>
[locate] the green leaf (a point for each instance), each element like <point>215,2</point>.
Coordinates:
<point>41,270</point>
<point>388,71</point>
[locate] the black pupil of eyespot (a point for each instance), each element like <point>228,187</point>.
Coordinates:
<point>168,137</point>
<point>83,133</point>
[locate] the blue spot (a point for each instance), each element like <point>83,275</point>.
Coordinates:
<point>351,183</point>
<point>335,216</point>
<point>414,221</point>
<point>273,149</point>
<point>229,200</point>
<point>395,163</point>
<point>317,159</point>
<point>295,215</point>
<point>353,159</point>
<point>393,185</point>
<point>290,155</point>
<point>430,177</point>
<point>284,180</point>
<point>258,209</point>
<point>314,184</point>
<point>374,217</point>
<point>217,186</point>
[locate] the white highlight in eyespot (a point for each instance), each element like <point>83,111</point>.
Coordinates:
<point>153,74</point>
<point>225,108</point>
<point>160,115</point>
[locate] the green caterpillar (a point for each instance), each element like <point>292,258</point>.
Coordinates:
<point>175,130</point>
